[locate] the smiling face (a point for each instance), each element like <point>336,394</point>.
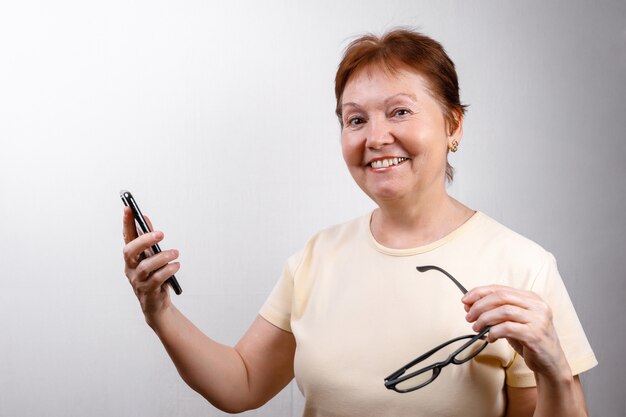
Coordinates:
<point>394,136</point>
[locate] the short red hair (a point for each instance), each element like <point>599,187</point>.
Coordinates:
<point>402,49</point>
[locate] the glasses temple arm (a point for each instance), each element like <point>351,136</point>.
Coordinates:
<point>443,271</point>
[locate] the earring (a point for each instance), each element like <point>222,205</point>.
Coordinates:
<point>453,146</point>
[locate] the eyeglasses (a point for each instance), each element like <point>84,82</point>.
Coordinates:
<point>407,378</point>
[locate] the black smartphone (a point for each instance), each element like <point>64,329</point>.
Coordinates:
<point>129,201</point>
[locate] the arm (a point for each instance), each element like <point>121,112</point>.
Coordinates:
<point>233,379</point>
<point>521,402</point>
<point>525,320</point>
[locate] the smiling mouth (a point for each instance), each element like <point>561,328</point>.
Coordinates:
<point>387,162</point>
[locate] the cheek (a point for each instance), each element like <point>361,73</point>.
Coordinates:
<point>426,140</point>
<point>351,149</point>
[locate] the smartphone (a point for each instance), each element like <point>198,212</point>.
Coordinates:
<point>129,201</point>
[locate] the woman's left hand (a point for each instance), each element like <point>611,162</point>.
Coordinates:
<point>522,318</point>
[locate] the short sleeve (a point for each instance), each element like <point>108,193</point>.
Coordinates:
<point>277,307</point>
<point>549,286</point>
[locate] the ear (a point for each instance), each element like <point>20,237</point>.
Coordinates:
<point>455,128</point>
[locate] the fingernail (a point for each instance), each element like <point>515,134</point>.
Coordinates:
<point>158,235</point>
<point>468,317</point>
<point>475,327</point>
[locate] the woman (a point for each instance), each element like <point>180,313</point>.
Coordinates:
<point>351,307</point>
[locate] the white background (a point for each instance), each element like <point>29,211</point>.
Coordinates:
<point>220,119</point>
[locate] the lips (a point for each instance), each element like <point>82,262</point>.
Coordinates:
<point>387,162</point>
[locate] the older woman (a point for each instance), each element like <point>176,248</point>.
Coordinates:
<point>364,298</point>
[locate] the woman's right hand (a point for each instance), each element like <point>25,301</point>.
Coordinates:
<point>147,275</point>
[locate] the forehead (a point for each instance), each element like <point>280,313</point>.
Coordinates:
<point>383,82</point>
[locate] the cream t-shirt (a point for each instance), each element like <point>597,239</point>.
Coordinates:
<point>359,311</point>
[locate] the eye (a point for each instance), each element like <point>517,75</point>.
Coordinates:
<point>401,112</point>
<point>355,121</point>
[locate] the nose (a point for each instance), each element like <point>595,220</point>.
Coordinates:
<point>378,134</point>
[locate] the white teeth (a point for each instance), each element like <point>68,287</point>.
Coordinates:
<point>385,163</point>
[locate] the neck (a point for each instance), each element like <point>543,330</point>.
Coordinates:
<point>420,222</point>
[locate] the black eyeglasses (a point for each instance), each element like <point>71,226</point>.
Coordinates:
<point>407,378</point>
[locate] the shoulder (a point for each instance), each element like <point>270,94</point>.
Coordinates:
<point>339,234</point>
<point>493,235</point>
<point>501,250</point>
<point>330,239</point>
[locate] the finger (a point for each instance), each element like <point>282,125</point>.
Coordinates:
<point>524,334</point>
<point>129,231</point>
<point>150,266</point>
<point>501,314</point>
<point>133,250</point>
<point>518,332</point>
<point>504,305</point>
<point>488,298</point>
<point>540,349</point>
<point>477,293</point>
<point>163,274</point>
<point>158,278</point>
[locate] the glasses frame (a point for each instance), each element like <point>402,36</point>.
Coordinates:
<point>399,376</point>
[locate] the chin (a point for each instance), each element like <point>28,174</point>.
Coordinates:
<point>384,195</point>
<point>381,191</point>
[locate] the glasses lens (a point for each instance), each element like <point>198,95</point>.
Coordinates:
<point>415,381</point>
<point>470,351</point>
<point>429,365</point>
<point>424,377</point>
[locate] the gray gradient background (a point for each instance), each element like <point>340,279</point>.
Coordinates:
<point>220,119</point>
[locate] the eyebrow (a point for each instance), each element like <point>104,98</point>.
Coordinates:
<point>411,97</point>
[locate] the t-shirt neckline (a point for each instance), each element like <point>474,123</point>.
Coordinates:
<point>463,228</point>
